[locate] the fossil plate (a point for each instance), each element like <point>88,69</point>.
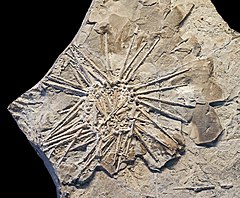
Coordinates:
<point>139,86</point>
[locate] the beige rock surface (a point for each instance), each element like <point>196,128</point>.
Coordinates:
<point>144,102</point>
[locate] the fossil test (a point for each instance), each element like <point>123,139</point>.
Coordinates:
<point>144,102</point>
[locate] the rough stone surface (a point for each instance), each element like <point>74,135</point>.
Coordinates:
<point>144,102</point>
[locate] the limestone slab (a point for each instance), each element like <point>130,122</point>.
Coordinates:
<point>144,102</point>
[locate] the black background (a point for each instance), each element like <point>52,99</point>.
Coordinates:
<point>33,37</point>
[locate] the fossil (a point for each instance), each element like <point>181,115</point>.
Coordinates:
<point>119,117</point>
